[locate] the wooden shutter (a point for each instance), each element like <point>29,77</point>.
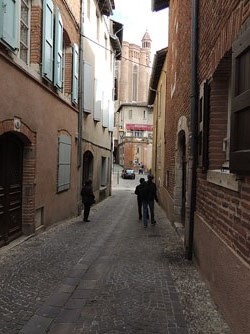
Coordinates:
<point>48,36</point>
<point>240,118</point>
<point>88,82</point>
<point>9,18</point>
<point>98,101</point>
<point>75,73</point>
<point>58,59</point>
<point>111,116</point>
<point>105,111</point>
<point>203,124</point>
<point>64,158</point>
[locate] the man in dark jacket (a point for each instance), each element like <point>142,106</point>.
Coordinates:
<point>149,195</point>
<point>138,192</point>
<point>88,198</point>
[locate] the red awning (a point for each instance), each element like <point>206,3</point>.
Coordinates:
<point>139,127</point>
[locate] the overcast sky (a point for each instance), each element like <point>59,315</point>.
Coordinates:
<point>137,17</point>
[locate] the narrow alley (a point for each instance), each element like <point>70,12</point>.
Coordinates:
<point>106,276</point>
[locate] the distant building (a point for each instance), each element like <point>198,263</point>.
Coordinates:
<point>135,131</point>
<point>133,75</point>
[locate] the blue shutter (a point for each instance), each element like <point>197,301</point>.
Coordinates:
<point>88,98</point>
<point>58,60</point>
<point>64,158</point>
<point>75,73</point>
<point>9,14</point>
<point>48,32</point>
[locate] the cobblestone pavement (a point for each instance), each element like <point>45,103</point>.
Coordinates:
<point>107,276</point>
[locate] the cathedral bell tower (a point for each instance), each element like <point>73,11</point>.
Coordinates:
<point>146,45</point>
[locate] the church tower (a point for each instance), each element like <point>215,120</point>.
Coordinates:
<point>146,44</point>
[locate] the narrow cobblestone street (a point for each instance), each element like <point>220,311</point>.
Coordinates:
<point>106,276</point>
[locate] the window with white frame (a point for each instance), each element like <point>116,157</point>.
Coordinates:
<point>138,134</point>
<point>64,163</point>
<point>53,50</point>
<point>24,31</point>
<point>15,26</point>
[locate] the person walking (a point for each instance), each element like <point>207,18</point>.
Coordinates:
<point>138,192</point>
<point>149,195</point>
<point>88,198</point>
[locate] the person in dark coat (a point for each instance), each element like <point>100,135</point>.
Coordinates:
<point>138,192</point>
<point>149,195</point>
<point>88,198</point>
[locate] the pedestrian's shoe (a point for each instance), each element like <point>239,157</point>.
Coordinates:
<point>154,222</point>
<point>140,218</point>
<point>86,220</point>
<point>145,226</point>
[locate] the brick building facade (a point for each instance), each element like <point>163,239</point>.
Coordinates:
<point>207,149</point>
<point>39,115</point>
<point>51,141</point>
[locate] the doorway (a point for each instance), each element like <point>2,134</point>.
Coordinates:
<point>87,166</point>
<point>11,178</point>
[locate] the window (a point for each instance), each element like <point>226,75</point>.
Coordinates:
<point>8,23</point>
<point>240,118</point>
<point>203,126</point>
<point>144,114</point>
<point>130,114</point>
<point>138,134</point>
<point>13,35</point>
<point>64,158</point>
<point>134,83</point>
<point>58,65</point>
<point>24,31</point>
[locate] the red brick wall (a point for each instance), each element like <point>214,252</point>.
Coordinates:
<point>227,212</point>
<point>179,66</point>
<point>36,35</point>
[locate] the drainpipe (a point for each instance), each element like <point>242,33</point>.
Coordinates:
<point>80,112</point>
<point>194,119</point>
<point>80,118</point>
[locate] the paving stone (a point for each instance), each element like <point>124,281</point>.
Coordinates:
<point>112,277</point>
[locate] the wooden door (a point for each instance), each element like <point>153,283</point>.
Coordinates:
<point>11,162</point>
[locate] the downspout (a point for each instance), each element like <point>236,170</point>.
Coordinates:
<point>80,118</point>
<point>194,119</point>
<point>80,113</point>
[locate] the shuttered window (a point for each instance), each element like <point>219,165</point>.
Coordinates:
<point>64,158</point>
<point>58,63</point>
<point>48,33</point>
<point>75,71</point>
<point>88,91</point>
<point>105,111</point>
<point>240,119</point>
<point>9,13</point>
<point>111,116</point>
<point>203,120</point>
<point>98,101</point>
